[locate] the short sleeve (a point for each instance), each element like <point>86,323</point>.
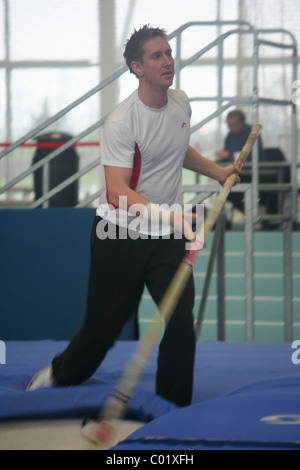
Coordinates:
<point>116,145</point>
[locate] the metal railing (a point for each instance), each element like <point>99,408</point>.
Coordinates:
<point>202,192</point>
<point>223,103</point>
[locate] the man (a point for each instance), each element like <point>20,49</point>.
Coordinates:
<point>235,140</point>
<point>144,145</point>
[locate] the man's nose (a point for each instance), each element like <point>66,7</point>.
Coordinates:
<point>168,59</point>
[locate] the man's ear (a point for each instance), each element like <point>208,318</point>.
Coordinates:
<point>137,68</point>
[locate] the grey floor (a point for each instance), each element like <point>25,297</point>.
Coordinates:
<point>56,435</point>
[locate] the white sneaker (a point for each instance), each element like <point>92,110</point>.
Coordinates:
<point>44,378</point>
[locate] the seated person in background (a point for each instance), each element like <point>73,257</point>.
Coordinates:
<point>239,131</point>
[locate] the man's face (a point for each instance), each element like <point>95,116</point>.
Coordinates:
<point>157,66</point>
<point>234,125</point>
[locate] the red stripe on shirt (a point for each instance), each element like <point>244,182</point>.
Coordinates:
<point>136,170</point>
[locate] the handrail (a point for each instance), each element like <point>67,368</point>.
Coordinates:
<point>96,89</point>
<point>64,111</point>
<point>51,155</point>
<point>183,27</point>
<point>211,45</point>
<point>99,87</point>
<point>279,31</point>
<point>211,116</point>
<point>65,183</point>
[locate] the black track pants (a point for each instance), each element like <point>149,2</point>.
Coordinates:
<point>119,269</point>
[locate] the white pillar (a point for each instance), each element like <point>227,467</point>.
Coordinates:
<point>109,96</point>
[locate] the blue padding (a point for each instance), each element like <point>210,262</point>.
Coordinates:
<point>24,359</point>
<point>222,367</point>
<point>44,261</point>
<point>84,401</point>
<point>262,416</point>
<point>228,378</point>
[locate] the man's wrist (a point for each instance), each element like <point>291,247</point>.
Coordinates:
<point>156,212</point>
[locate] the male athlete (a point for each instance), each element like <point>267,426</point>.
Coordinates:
<point>144,146</point>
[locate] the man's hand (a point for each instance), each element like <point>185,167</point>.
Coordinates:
<point>181,221</point>
<point>230,170</point>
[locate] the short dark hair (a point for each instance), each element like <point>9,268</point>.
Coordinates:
<point>134,45</point>
<point>238,114</point>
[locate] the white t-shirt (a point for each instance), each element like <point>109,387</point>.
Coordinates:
<point>152,142</point>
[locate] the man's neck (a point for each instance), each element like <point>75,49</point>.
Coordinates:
<point>155,99</point>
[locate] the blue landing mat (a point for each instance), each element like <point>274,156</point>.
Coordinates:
<point>226,377</point>
<point>262,416</point>
<point>24,359</point>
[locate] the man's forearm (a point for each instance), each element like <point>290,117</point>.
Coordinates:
<point>196,162</point>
